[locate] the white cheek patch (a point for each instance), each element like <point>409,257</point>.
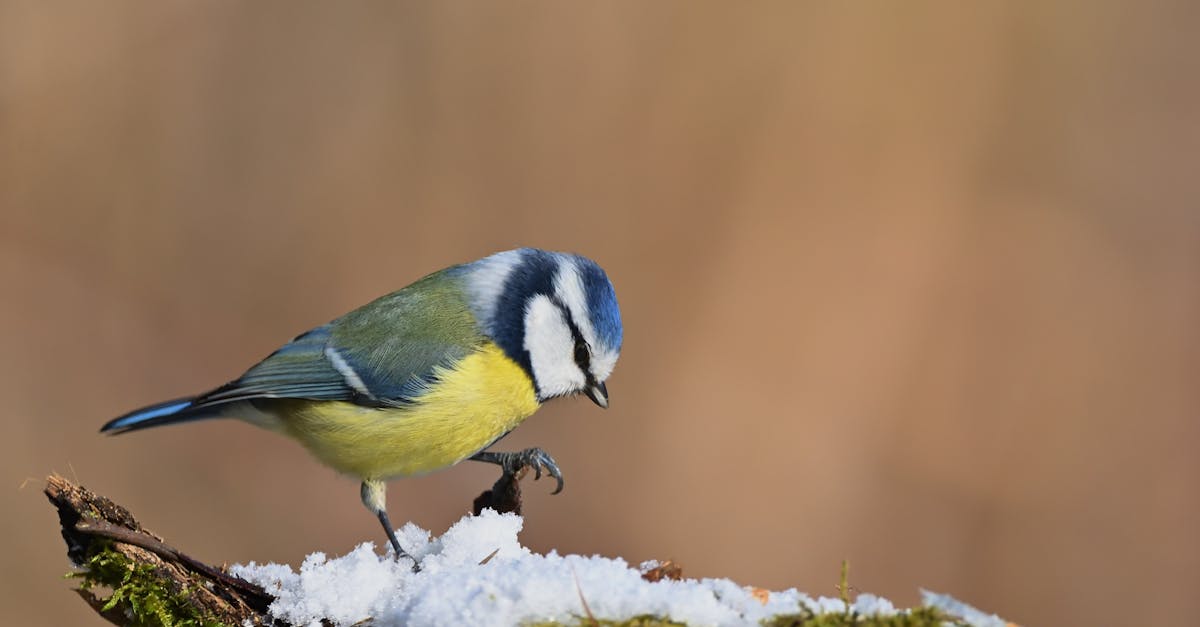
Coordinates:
<point>551,349</point>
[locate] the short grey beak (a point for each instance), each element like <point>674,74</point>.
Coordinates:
<point>599,395</point>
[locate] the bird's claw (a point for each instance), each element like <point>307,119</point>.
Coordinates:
<point>512,463</point>
<point>539,461</point>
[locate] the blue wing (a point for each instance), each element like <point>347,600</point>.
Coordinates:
<point>299,369</point>
<point>385,353</point>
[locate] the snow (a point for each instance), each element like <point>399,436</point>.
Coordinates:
<point>968,614</point>
<point>460,584</point>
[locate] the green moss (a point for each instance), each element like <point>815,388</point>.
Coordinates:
<point>137,592</point>
<point>919,617</point>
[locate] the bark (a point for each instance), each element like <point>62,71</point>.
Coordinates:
<point>92,523</point>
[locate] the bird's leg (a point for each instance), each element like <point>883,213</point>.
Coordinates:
<point>374,496</point>
<point>535,458</point>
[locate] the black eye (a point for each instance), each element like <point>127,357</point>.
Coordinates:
<point>581,353</point>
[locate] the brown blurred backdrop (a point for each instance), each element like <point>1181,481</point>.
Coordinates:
<point>912,284</point>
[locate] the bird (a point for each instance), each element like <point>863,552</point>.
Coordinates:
<point>430,375</point>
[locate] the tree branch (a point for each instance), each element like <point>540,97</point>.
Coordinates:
<point>147,578</point>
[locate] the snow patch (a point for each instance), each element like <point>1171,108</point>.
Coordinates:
<point>478,573</point>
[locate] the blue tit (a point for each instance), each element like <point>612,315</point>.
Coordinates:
<point>429,375</point>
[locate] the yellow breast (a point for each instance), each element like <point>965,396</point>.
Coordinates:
<point>481,398</point>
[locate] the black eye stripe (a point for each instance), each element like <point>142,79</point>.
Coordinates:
<point>583,354</point>
<point>570,320</point>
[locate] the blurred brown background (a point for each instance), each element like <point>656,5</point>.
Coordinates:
<point>912,284</point>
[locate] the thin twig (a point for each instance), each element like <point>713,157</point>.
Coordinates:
<point>121,534</point>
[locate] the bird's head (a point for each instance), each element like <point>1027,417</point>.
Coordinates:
<point>555,314</point>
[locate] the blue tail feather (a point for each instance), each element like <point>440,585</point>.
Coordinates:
<point>165,413</point>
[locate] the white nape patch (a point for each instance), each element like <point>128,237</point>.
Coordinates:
<point>568,287</point>
<point>551,349</point>
<point>347,372</point>
<point>485,283</point>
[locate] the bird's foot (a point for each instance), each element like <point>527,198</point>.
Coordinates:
<point>416,565</point>
<point>535,458</point>
<point>398,552</point>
